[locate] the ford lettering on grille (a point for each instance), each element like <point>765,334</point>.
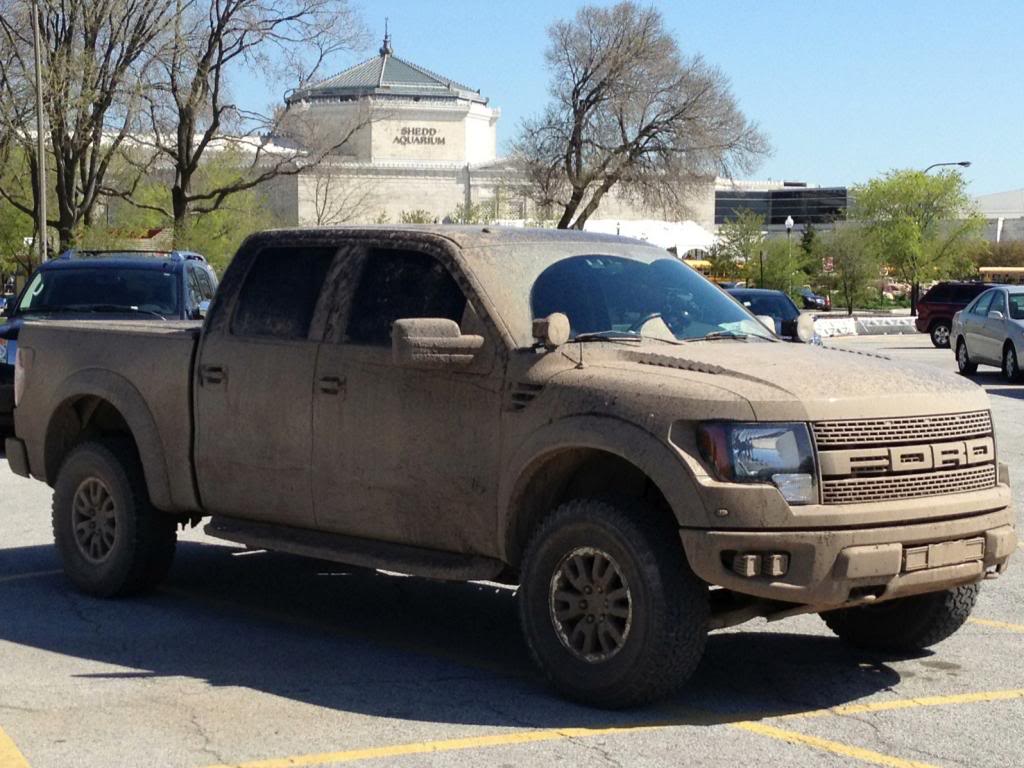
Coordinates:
<point>907,458</point>
<point>890,459</point>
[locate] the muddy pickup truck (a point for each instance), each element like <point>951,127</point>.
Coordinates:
<point>583,416</point>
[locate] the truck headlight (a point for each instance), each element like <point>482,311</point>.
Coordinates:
<point>779,453</point>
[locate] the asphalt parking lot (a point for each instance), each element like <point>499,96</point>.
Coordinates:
<point>263,660</point>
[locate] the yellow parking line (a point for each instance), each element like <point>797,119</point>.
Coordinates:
<point>923,701</point>
<point>10,756</point>
<point>998,624</point>
<point>447,745</point>
<point>556,734</point>
<point>834,747</point>
<point>24,576</point>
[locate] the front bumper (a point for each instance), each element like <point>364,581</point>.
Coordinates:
<point>830,568</point>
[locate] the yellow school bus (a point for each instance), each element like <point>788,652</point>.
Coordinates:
<point>1006,275</point>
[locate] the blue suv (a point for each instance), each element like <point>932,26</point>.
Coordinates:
<point>80,284</point>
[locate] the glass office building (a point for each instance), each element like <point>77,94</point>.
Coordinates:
<point>814,205</point>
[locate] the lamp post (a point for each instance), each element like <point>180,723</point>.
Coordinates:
<point>40,136</point>
<point>962,164</point>
<point>789,247</point>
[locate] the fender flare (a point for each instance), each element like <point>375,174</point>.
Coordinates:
<point>653,456</point>
<point>129,402</point>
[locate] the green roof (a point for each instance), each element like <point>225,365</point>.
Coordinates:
<point>386,74</point>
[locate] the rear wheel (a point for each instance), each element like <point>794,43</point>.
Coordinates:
<point>940,334</point>
<point>111,540</point>
<point>610,609</point>
<point>907,623</point>
<point>1011,365</point>
<point>963,359</point>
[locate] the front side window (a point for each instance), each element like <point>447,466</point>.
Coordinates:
<point>99,289</point>
<point>613,295</point>
<point>280,292</point>
<point>397,285</point>
<point>983,303</point>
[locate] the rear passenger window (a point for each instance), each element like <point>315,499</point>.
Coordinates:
<point>982,305</point>
<point>396,285</point>
<point>280,292</point>
<point>941,292</point>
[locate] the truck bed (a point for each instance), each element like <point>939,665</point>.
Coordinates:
<point>143,368</point>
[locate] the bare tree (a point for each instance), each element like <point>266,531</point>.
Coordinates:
<point>191,111</point>
<point>338,199</point>
<point>95,56</point>
<point>630,112</point>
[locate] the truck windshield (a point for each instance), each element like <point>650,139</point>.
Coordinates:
<point>614,296</point>
<point>94,289</point>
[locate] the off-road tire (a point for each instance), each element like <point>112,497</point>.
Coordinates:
<point>963,359</point>
<point>1011,363</point>
<point>144,538</point>
<point>668,632</point>
<point>940,334</point>
<point>907,623</point>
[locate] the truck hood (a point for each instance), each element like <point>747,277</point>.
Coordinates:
<point>804,382</point>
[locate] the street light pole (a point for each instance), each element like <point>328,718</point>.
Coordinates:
<point>789,246</point>
<point>962,164</point>
<point>40,137</point>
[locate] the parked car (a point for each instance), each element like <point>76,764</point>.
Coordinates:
<point>814,300</point>
<point>776,305</point>
<point>574,413</point>
<point>990,331</point>
<point>93,285</point>
<point>936,308</point>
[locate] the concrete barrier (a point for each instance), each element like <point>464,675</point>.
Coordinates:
<point>829,327</point>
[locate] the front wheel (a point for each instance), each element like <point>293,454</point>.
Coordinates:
<point>1011,366</point>
<point>963,359</point>
<point>111,540</point>
<point>906,623</point>
<point>940,335</point>
<point>609,607</point>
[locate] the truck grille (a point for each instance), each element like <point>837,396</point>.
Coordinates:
<point>858,489</point>
<point>887,459</point>
<point>914,429</point>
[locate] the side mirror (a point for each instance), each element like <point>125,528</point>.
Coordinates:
<point>203,309</point>
<point>995,314</point>
<point>805,328</point>
<point>552,331</point>
<point>432,342</point>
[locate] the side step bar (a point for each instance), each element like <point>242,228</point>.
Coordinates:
<point>367,553</point>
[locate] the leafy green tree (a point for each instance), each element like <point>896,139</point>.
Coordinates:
<point>474,213</point>
<point>921,225</point>
<point>418,216</point>
<point>739,241</point>
<point>807,239</point>
<point>854,262</point>
<point>776,266</point>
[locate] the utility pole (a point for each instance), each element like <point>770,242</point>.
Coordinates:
<point>40,137</point>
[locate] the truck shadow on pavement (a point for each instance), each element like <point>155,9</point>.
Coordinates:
<point>388,646</point>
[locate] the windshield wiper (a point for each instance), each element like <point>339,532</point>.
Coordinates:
<point>716,335</point>
<point>116,308</point>
<point>607,336</point>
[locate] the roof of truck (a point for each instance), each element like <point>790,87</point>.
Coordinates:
<point>470,235</point>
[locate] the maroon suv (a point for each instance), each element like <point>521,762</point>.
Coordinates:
<point>936,308</point>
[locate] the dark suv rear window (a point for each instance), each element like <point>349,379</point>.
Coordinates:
<point>940,292</point>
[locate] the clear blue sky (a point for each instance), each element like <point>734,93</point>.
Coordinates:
<point>844,91</point>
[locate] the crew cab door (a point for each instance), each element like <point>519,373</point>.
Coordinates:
<point>405,454</point>
<point>254,388</point>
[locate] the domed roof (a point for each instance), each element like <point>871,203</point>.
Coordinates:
<point>385,74</point>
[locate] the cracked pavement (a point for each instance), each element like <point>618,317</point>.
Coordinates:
<point>263,656</point>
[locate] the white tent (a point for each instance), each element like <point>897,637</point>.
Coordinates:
<point>684,236</point>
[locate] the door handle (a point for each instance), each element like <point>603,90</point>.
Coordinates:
<point>331,385</point>
<point>212,374</point>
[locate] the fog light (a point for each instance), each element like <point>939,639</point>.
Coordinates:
<point>776,564</point>
<point>747,566</point>
<point>796,488</point>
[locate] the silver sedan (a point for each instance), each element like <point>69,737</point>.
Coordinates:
<point>990,331</point>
